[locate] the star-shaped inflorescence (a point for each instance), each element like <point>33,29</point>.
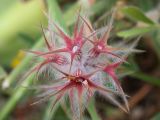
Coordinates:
<point>84,64</point>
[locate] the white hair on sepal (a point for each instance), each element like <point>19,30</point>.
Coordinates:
<point>81,64</point>
<point>64,62</point>
<point>86,48</point>
<point>85,98</point>
<point>103,58</point>
<point>124,74</point>
<point>108,83</point>
<point>64,102</point>
<point>111,84</point>
<point>134,44</point>
<point>41,72</point>
<point>97,78</point>
<point>112,99</point>
<point>45,73</point>
<point>128,48</point>
<point>56,102</point>
<point>94,61</point>
<point>78,65</point>
<point>52,35</point>
<point>74,103</point>
<point>46,93</point>
<point>88,68</point>
<point>59,42</point>
<point>59,74</point>
<point>112,59</point>
<point>79,24</point>
<point>94,33</point>
<point>105,16</point>
<point>105,79</point>
<point>51,22</point>
<point>102,30</point>
<point>99,32</point>
<point>29,69</point>
<point>46,89</point>
<point>120,93</point>
<point>54,38</point>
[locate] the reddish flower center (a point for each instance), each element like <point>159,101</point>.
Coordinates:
<point>100,45</point>
<point>75,49</point>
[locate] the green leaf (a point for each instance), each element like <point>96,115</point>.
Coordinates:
<point>5,5</point>
<point>70,12</point>
<point>147,78</point>
<point>146,6</point>
<point>156,117</point>
<point>142,76</point>
<point>56,15</point>
<point>156,41</point>
<point>92,110</point>
<point>135,31</point>
<point>57,112</point>
<point>3,74</point>
<point>136,14</point>
<point>19,18</point>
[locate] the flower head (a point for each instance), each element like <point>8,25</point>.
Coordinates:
<point>81,78</point>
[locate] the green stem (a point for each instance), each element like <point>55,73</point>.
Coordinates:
<point>3,73</point>
<point>147,78</point>
<point>17,96</point>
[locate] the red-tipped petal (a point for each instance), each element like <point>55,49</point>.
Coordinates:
<point>46,41</point>
<point>76,27</point>
<point>34,52</point>
<point>55,51</point>
<point>95,86</point>
<point>107,34</point>
<point>64,36</point>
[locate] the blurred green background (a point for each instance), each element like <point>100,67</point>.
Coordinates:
<point>20,30</point>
